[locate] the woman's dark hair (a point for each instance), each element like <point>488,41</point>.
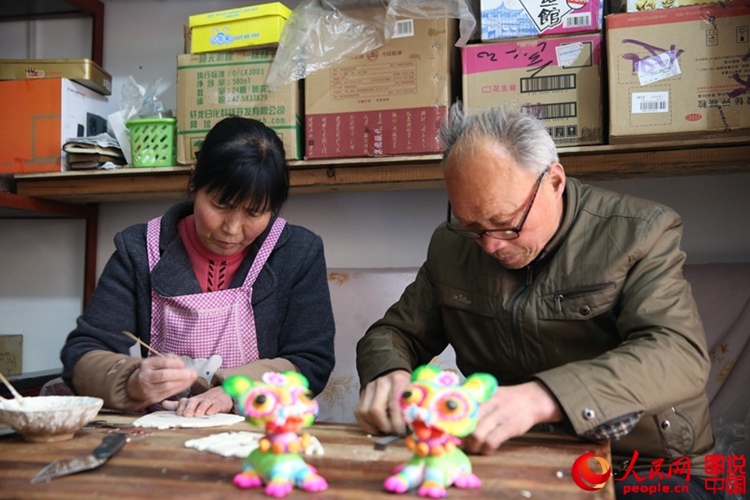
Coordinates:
<point>242,160</point>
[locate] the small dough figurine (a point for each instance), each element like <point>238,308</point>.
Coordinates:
<point>281,404</point>
<point>439,411</point>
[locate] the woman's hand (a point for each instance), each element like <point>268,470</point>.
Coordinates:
<point>159,378</point>
<point>211,402</point>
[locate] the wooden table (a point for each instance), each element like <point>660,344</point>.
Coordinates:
<point>156,464</point>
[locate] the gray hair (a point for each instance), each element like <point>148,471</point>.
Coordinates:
<point>516,129</point>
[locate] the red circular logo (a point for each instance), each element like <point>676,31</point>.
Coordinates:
<point>693,117</point>
<point>585,478</point>
<point>577,4</point>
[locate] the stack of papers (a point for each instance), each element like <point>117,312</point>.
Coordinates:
<point>99,151</point>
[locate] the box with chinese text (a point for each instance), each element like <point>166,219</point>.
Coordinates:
<point>503,19</point>
<point>559,78</point>
<point>390,101</point>
<point>215,85</point>
<point>679,73</point>
<point>251,26</point>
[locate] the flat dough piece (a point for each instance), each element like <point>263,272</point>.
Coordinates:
<point>240,444</point>
<point>169,420</point>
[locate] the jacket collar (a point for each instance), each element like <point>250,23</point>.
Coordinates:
<point>571,198</point>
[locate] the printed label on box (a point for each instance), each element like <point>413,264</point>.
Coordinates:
<point>215,85</point>
<point>503,19</point>
<point>559,79</point>
<point>374,133</point>
<point>679,73</point>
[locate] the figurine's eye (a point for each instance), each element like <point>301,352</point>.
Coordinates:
<point>453,406</point>
<point>261,403</point>
<point>414,395</point>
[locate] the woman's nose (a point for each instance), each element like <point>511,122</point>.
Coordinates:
<point>231,223</point>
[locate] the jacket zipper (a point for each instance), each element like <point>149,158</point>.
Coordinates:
<point>517,337</point>
<point>577,292</point>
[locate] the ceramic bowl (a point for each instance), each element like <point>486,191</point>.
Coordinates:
<point>49,418</point>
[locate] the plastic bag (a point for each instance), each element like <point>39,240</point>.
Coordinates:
<point>137,101</point>
<point>320,33</point>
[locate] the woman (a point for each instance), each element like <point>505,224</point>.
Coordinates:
<point>219,285</point>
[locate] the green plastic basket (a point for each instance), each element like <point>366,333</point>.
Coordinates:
<point>152,142</point>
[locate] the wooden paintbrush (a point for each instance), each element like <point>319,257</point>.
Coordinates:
<point>143,343</point>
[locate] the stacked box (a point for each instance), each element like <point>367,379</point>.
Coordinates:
<point>215,85</point>
<point>679,73</point>
<point>559,78</point>
<point>83,71</point>
<point>11,354</point>
<point>504,19</point>
<point>639,5</point>
<point>38,116</point>
<point>252,26</point>
<point>390,101</point>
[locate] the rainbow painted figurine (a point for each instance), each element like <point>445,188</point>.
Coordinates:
<point>282,405</point>
<point>439,410</point>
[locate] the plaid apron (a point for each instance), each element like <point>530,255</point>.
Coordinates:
<point>204,324</point>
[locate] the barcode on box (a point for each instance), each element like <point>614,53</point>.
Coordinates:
<point>650,102</point>
<point>554,110</point>
<point>548,83</point>
<point>404,28</point>
<point>576,20</point>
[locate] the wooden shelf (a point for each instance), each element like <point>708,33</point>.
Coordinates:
<point>398,172</point>
<point>25,10</point>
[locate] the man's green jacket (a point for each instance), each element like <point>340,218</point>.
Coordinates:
<point>603,317</point>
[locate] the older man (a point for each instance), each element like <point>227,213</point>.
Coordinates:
<point>571,295</point>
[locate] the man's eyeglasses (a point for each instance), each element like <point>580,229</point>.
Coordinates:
<point>498,234</point>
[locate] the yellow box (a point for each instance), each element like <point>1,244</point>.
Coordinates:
<point>11,354</point>
<point>237,28</point>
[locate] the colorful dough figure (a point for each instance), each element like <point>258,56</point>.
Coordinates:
<point>281,404</point>
<point>439,410</point>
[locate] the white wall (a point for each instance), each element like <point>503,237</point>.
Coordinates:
<point>40,286</point>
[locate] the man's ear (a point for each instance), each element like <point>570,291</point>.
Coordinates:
<point>557,177</point>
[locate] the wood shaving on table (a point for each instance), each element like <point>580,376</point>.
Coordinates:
<point>169,420</point>
<point>241,444</point>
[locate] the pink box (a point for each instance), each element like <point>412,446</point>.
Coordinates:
<point>560,78</point>
<point>504,19</point>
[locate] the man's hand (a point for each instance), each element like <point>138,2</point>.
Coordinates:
<point>158,378</point>
<point>511,412</point>
<point>211,402</point>
<point>378,410</point>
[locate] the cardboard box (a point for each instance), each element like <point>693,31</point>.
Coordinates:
<point>560,78</point>
<point>503,19</point>
<point>38,116</point>
<point>11,354</point>
<point>251,26</point>
<point>679,73</point>
<point>215,85</point>
<point>390,101</point>
<point>83,71</point>
<point>639,5</point>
